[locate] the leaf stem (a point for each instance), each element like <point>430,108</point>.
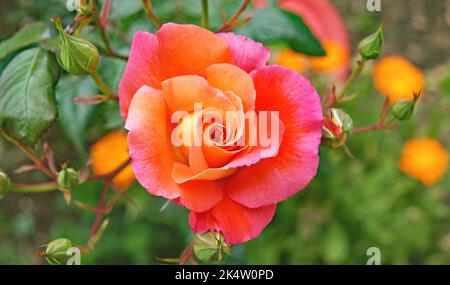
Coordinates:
<point>101,203</point>
<point>113,173</point>
<point>355,73</point>
<point>148,8</point>
<point>31,154</point>
<point>34,188</point>
<point>229,24</point>
<point>108,49</point>
<point>205,14</point>
<point>102,85</point>
<point>380,124</point>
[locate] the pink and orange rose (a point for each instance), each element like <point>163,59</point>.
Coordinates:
<point>232,188</point>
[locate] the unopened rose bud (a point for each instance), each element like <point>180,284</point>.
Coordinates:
<point>371,47</point>
<point>77,56</point>
<point>68,177</point>
<point>56,251</point>
<point>337,127</point>
<point>403,110</point>
<point>211,247</point>
<point>5,184</point>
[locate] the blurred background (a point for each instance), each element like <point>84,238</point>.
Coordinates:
<point>351,205</point>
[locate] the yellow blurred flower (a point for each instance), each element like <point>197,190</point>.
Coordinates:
<point>110,152</point>
<point>397,78</point>
<point>336,57</point>
<point>292,60</point>
<point>424,159</point>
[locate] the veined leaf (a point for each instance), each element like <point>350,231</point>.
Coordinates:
<point>29,34</point>
<point>274,25</point>
<point>27,95</point>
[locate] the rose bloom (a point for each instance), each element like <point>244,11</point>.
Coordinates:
<point>233,190</point>
<point>397,78</point>
<point>425,159</point>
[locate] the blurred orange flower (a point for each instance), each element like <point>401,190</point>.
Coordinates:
<point>292,60</point>
<point>336,57</point>
<point>397,78</point>
<point>110,152</point>
<point>424,159</point>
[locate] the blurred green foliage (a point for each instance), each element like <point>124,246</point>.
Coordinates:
<point>351,205</point>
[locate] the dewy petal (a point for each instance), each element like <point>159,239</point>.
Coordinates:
<point>275,179</point>
<point>227,77</point>
<point>237,222</point>
<point>175,50</point>
<point>149,144</point>
<point>248,54</point>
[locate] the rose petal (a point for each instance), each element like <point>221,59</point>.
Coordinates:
<point>182,173</point>
<point>200,196</point>
<point>275,179</point>
<point>142,69</point>
<point>248,54</point>
<point>190,49</point>
<point>182,92</point>
<point>149,145</point>
<point>203,221</point>
<point>227,77</point>
<point>237,223</point>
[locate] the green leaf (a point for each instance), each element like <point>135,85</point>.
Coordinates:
<point>27,95</point>
<point>273,25</point>
<point>29,34</point>
<point>69,88</point>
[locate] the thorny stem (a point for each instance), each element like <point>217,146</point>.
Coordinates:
<point>229,24</point>
<point>205,14</point>
<point>355,73</point>
<point>380,124</point>
<point>148,8</point>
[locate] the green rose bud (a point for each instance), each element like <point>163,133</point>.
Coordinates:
<point>68,177</point>
<point>56,251</point>
<point>404,109</point>
<point>211,247</point>
<point>77,56</point>
<point>370,47</point>
<point>337,127</point>
<point>5,184</point>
